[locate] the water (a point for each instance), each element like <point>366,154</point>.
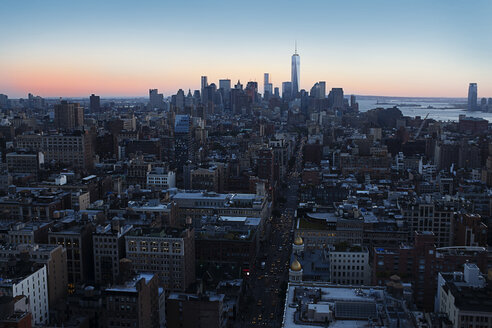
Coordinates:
<point>442,109</point>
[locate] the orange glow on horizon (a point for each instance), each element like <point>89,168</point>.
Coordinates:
<point>65,80</point>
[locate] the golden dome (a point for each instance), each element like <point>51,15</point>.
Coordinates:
<point>298,241</point>
<point>296,266</point>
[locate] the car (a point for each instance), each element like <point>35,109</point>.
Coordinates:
<point>259,303</point>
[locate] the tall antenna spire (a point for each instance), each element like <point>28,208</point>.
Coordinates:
<point>296,48</point>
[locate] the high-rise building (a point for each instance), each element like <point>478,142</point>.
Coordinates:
<point>204,84</point>
<point>156,99</point>
<point>238,85</point>
<point>225,89</point>
<point>287,90</point>
<point>180,101</point>
<point>69,116</point>
<point>335,98</point>
<point>353,103</point>
<point>267,86</point>
<point>182,140</point>
<point>276,92</point>
<point>472,97</point>
<point>4,101</point>
<point>35,102</point>
<point>95,103</point>
<point>318,91</point>
<point>322,90</point>
<point>483,104</point>
<point>252,91</point>
<point>266,78</point>
<point>295,73</point>
<point>225,84</point>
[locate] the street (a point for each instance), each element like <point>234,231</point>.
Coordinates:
<point>265,289</point>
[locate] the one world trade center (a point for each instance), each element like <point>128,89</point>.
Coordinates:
<point>296,63</point>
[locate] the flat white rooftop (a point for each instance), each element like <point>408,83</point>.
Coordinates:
<point>329,295</point>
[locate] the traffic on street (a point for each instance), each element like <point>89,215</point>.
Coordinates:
<point>263,302</point>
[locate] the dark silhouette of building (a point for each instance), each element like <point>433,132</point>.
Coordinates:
<point>132,304</point>
<point>192,311</point>
<point>95,103</point>
<point>69,116</point>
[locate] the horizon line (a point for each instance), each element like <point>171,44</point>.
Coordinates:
<point>170,95</point>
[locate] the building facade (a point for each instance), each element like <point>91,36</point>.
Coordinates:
<point>170,253</point>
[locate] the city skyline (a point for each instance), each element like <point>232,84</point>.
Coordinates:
<point>116,49</point>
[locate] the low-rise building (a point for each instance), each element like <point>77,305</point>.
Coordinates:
<point>109,248</point>
<point>349,265</point>
<point>54,257</point>
<point>465,298</point>
<point>195,205</point>
<point>315,304</point>
<point>23,280</point>
<point>161,178</point>
<point>77,239</point>
<point>190,311</point>
<point>132,304</point>
<point>227,245</point>
<point>168,252</point>
<point>419,264</point>
<point>19,162</point>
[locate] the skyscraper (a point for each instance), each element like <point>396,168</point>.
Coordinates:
<point>225,84</point>
<point>267,86</point>
<point>252,91</point>
<point>472,97</point>
<point>318,91</point>
<point>287,90</point>
<point>335,98</point>
<point>95,103</point>
<point>322,90</point>
<point>180,101</point>
<point>156,99</point>
<point>225,89</point>
<point>295,77</point>
<point>204,84</point>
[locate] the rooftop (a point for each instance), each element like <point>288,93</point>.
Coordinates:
<point>131,285</point>
<point>322,304</point>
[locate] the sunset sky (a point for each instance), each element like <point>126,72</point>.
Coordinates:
<point>123,48</point>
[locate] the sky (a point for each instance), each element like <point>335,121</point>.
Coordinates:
<point>123,48</point>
